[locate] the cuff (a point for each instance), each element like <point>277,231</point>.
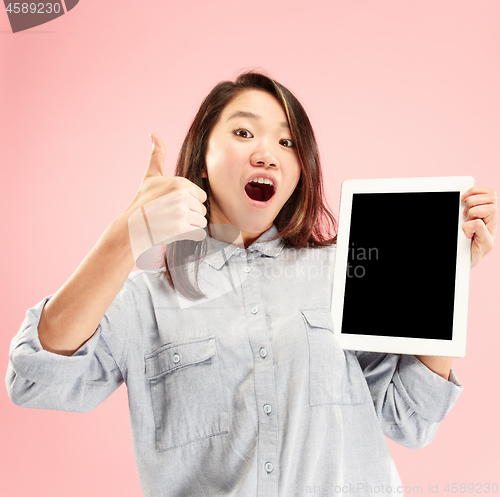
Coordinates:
<point>427,393</point>
<point>32,362</point>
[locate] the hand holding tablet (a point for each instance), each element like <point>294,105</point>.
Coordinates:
<point>401,281</point>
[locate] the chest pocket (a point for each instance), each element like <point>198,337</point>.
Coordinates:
<point>189,402</point>
<point>334,376</point>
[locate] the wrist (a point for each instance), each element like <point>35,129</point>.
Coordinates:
<point>438,365</point>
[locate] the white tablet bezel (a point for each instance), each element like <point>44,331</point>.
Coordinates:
<point>402,345</point>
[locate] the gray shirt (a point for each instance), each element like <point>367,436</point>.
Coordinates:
<point>245,392</point>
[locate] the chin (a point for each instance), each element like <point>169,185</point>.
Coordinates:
<point>248,222</point>
<point>254,227</point>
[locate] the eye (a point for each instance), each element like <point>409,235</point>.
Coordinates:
<point>243,133</point>
<point>287,143</point>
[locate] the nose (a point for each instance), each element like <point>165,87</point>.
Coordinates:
<point>264,156</point>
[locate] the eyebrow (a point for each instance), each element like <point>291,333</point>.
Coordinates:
<point>251,115</point>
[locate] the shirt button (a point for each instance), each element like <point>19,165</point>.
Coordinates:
<point>263,352</point>
<point>243,254</point>
<point>255,310</point>
<point>267,409</point>
<point>176,358</point>
<point>269,467</point>
<point>246,269</point>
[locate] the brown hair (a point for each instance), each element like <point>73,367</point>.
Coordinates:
<point>305,219</point>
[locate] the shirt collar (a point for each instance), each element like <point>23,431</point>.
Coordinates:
<point>219,252</point>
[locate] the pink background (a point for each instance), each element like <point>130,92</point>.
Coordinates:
<point>393,88</point>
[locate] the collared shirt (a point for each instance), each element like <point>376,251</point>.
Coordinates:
<point>245,392</point>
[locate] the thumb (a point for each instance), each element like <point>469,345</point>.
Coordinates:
<point>157,158</point>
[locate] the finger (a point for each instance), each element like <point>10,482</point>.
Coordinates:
<point>157,158</point>
<point>195,205</point>
<point>173,214</point>
<point>485,212</point>
<point>482,237</point>
<point>202,194</point>
<point>196,220</point>
<point>198,193</point>
<point>482,240</point>
<point>477,189</point>
<point>482,198</point>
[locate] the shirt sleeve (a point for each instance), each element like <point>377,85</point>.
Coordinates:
<point>410,400</point>
<point>41,379</point>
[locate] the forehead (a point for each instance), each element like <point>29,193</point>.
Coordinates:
<point>257,102</point>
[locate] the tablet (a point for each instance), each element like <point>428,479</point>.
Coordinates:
<point>402,266</point>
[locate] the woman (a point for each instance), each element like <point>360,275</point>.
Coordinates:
<point>236,383</point>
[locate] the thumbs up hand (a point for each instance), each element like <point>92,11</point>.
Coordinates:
<point>165,209</point>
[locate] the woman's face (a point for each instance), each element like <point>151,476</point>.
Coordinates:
<point>250,141</point>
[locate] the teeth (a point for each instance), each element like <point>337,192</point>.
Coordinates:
<point>263,180</point>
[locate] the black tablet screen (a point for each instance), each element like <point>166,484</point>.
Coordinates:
<point>400,279</point>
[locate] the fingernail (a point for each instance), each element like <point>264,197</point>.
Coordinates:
<point>152,140</point>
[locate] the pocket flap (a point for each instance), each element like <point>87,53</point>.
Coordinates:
<point>178,355</point>
<point>320,317</point>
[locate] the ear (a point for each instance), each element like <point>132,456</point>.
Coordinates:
<point>204,173</point>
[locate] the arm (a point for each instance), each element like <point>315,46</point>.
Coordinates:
<point>438,365</point>
<point>41,379</point>
<point>70,353</point>
<point>409,399</point>
<point>59,359</point>
<point>72,315</point>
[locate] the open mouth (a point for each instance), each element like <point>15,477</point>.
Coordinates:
<point>260,189</point>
